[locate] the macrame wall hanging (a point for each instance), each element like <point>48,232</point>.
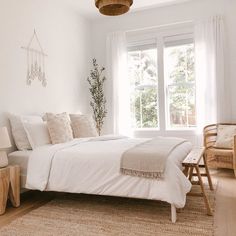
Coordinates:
<point>35,61</point>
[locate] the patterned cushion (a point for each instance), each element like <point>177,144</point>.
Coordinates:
<point>59,127</point>
<point>225,136</point>
<point>82,126</point>
<point>18,131</point>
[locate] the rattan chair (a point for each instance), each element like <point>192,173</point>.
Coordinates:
<point>218,157</point>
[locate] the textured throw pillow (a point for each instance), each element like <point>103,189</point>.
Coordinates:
<point>37,133</point>
<point>82,126</point>
<point>59,127</point>
<point>225,136</point>
<point>18,131</point>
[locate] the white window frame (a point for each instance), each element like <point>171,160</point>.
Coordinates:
<point>161,36</point>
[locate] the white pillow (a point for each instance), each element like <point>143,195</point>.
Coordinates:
<point>18,131</point>
<point>37,133</point>
<point>83,126</point>
<point>225,136</point>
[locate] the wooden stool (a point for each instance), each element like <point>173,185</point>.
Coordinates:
<point>9,187</point>
<point>191,163</point>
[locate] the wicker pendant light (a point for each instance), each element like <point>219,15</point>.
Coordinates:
<point>113,7</point>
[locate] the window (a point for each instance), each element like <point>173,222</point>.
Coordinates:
<point>143,83</point>
<point>161,75</point>
<point>180,81</point>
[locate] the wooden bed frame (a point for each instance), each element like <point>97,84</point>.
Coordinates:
<point>173,213</point>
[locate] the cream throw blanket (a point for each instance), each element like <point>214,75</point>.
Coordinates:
<point>148,159</point>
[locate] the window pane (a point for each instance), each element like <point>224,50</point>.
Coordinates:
<point>143,80</point>
<point>181,106</point>
<point>180,80</point>
<point>144,108</point>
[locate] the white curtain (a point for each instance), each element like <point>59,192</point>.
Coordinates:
<point>213,103</point>
<point>117,72</point>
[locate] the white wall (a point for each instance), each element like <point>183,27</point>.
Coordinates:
<point>190,11</point>
<point>69,38</point>
<point>65,37</point>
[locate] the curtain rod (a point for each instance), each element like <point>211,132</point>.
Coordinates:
<point>159,26</point>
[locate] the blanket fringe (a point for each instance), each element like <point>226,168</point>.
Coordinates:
<point>143,174</point>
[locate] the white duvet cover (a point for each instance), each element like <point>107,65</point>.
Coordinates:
<point>92,166</point>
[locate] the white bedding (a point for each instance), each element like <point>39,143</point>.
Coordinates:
<point>20,158</point>
<point>92,166</point>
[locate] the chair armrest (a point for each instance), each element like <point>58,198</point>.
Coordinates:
<point>209,135</point>
<point>234,154</point>
<point>208,142</point>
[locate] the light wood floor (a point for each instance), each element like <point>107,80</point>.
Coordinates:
<point>225,212</point>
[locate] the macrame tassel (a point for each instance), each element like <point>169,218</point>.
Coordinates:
<point>35,62</point>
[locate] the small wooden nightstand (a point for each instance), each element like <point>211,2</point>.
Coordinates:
<point>9,187</point>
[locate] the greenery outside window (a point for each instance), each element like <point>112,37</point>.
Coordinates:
<point>144,86</point>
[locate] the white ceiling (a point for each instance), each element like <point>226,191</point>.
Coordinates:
<point>88,9</point>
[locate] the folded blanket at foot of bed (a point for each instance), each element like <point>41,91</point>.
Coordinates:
<point>148,159</point>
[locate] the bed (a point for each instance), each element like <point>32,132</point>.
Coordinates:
<point>20,158</point>
<point>92,166</point>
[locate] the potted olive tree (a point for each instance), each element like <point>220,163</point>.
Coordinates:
<point>98,101</point>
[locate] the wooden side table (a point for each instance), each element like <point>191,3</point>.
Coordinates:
<point>9,187</point>
<point>191,164</point>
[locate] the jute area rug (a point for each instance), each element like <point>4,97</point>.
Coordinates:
<point>86,215</point>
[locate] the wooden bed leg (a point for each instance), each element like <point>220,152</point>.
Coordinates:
<point>173,213</point>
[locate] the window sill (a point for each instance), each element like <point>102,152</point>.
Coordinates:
<point>145,129</point>
<point>182,129</point>
<point>169,132</point>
